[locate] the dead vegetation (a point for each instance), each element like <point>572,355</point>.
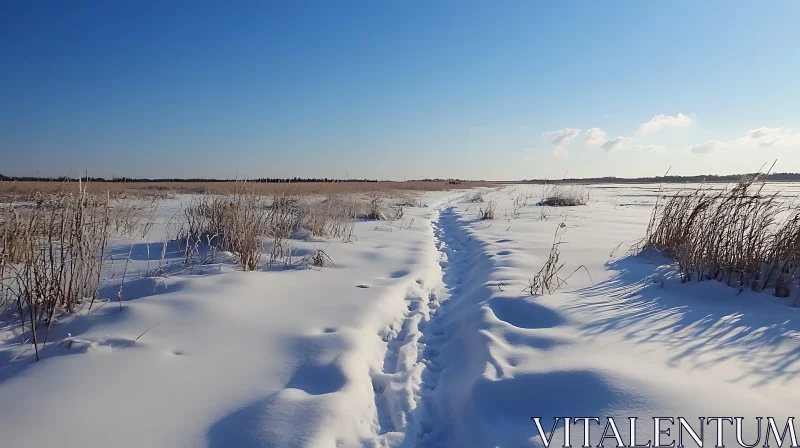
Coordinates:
<point>410,201</point>
<point>547,280</point>
<point>233,223</point>
<point>318,259</point>
<point>522,199</point>
<point>560,195</point>
<point>738,236</point>
<point>27,190</point>
<point>487,212</point>
<point>475,197</point>
<point>51,257</point>
<point>239,223</point>
<point>376,211</point>
<point>55,246</point>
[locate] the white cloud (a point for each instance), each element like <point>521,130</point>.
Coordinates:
<point>666,121</point>
<point>595,137</point>
<point>562,137</point>
<point>649,148</point>
<point>713,145</point>
<point>755,138</point>
<point>769,137</point>
<point>616,144</point>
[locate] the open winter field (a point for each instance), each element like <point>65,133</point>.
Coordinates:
<point>402,224</point>
<point>384,319</point>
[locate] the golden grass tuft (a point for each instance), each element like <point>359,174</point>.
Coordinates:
<point>739,236</point>
<point>564,196</point>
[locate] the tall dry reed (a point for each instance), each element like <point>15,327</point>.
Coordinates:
<point>52,255</point>
<point>739,236</point>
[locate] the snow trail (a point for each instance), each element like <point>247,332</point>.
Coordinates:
<point>451,258</point>
<point>406,396</point>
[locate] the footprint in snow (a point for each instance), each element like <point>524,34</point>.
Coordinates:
<point>400,273</point>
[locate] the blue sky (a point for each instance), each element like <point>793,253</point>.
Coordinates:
<point>394,89</point>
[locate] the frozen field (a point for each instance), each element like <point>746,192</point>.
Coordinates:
<point>421,335</point>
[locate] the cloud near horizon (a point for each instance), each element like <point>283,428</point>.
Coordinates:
<point>756,138</point>
<point>763,137</point>
<point>616,144</point>
<point>769,137</point>
<point>662,121</point>
<point>711,146</point>
<point>598,137</point>
<point>649,148</point>
<point>595,137</point>
<point>560,139</point>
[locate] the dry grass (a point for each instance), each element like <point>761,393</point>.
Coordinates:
<point>52,255</point>
<point>407,200</point>
<point>318,259</point>
<point>376,210</point>
<point>28,190</point>
<point>334,217</point>
<point>487,212</point>
<point>239,223</point>
<point>738,236</point>
<point>475,197</point>
<point>522,200</point>
<point>548,279</point>
<point>54,236</point>
<point>560,195</point>
<point>234,223</point>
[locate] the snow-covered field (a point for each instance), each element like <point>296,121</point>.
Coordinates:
<point>421,336</point>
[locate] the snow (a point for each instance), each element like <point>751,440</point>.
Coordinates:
<point>421,335</point>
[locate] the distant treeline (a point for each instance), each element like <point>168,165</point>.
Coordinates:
<point>775,177</point>
<point>262,180</point>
